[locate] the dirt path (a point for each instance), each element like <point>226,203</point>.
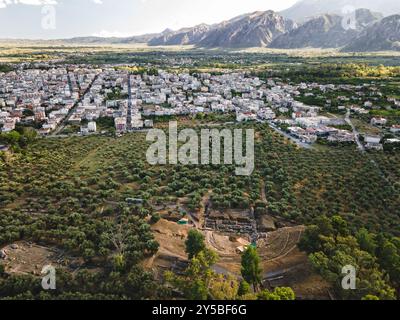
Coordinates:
<point>263,194</point>
<point>285,253</point>
<point>288,237</point>
<point>89,156</point>
<point>202,211</point>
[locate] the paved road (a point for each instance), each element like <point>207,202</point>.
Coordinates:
<point>65,136</point>
<point>295,140</point>
<point>129,115</point>
<point>63,124</point>
<point>355,131</point>
<point>71,89</point>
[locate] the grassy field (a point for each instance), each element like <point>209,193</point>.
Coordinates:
<point>86,173</point>
<point>17,51</point>
<point>70,195</point>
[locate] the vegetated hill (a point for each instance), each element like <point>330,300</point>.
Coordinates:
<point>304,10</point>
<point>325,31</point>
<point>257,29</point>
<point>184,36</point>
<point>381,36</point>
<point>111,40</point>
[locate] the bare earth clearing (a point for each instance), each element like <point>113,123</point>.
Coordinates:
<point>28,258</point>
<point>282,262</point>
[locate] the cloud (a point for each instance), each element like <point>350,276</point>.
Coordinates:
<point>76,18</point>
<point>5,3</point>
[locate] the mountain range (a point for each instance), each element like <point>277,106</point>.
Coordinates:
<point>382,36</point>
<point>326,31</point>
<point>256,29</point>
<point>304,10</point>
<point>308,24</point>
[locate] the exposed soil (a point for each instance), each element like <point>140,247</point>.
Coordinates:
<point>282,262</point>
<point>171,254</point>
<point>28,258</point>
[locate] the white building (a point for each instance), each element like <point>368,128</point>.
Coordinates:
<point>378,121</point>
<point>373,142</point>
<point>395,128</point>
<point>92,127</point>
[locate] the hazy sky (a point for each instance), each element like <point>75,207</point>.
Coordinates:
<point>70,18</point>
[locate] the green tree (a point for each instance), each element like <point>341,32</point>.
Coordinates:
<point>29,135</point>
<point>251,270</point>
<point>155,217</point>
<point>194,243</point>
<point>325,226</point>
<point>198,278</point>
<point>339,226</point>
<point>370,297</point>
<point>335,249</point>
<point>244,288</point>
<point>389,259</point>
<point>224,288</point>
<point>278,294</point>
<point>119,262</point>
<point>366,241</point>
<point>285,293</point>
<point>11,138</point>
<point>310,241</point>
